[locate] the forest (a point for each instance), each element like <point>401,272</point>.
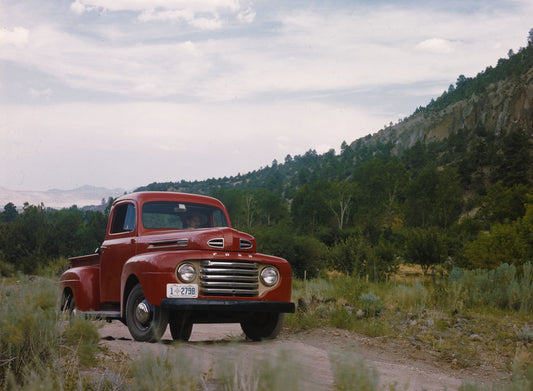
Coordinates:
<point>464,201</point>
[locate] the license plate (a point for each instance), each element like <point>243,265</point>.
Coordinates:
<point>175,291</point>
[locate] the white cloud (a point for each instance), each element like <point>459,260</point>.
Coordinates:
<point>311,51</point>
<point>187,16</point>
<point>435,45</point>
<point>18,36</point>
<point>141,5</point>
<point>206,23</point>
<point>37,93</point>
<point>247,15</point>
<point>177,15</point>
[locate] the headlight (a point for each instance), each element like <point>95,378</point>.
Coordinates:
<point>269,276</point>
<point>186,272</point>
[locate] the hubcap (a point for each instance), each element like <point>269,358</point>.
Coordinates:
<point>143,313</point>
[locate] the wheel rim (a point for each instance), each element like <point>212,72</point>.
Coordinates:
<point>143,313</point>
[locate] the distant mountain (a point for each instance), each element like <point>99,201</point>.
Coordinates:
<point>57,199</point>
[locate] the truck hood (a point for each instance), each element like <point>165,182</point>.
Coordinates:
<point>216,239</point>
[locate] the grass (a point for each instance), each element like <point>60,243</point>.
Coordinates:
<point>465,320</point>
<point>39,348</point>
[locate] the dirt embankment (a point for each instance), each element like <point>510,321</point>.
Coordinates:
<point>407,369</point>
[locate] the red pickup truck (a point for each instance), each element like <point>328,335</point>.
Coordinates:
<point>174,259</point>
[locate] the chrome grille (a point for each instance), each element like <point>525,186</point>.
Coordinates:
<point>229,278</point>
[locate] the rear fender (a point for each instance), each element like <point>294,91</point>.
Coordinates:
<point>84,282</point>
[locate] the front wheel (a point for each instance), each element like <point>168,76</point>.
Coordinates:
<point>145,321</point>
<point>263,325</point>
<point>180,327</point>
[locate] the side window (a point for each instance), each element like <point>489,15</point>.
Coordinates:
<point>123,219</point>
<point>219,219</point>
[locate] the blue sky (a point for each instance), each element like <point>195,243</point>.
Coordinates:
<point>126,92</point>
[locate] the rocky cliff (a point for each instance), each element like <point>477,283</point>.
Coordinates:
<point>505,105</point>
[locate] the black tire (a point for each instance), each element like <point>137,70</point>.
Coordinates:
<point>263,325</point>
<point>180,327</point>
<point>69,305</point>
<point>152,325</point>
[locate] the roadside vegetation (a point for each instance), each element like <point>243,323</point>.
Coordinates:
<point>465,319</point>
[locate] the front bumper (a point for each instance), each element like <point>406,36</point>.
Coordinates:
<point>227,305</point>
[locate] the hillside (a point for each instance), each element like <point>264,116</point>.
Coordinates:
<point>481,110</point>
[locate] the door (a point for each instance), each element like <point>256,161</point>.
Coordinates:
<point>119,246</point>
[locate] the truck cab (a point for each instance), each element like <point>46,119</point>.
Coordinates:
<point>174,259</point>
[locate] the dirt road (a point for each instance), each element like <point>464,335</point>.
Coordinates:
<point>311,350</point>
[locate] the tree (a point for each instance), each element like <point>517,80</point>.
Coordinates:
<point>381,185</point>
<point>270,207</point>
<point>425,247</point>
<point>421,196</point>
<point>449,197</point>
<point>249,209</point>
<point>515,158</point>
<point>434,198</point>
<point>503,203</point>
<point>510,242</point>
<point>309,209</point>
<point>10,213</point>
<point>339,201</point>
<point>530,37</point>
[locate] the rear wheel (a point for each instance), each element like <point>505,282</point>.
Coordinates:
<point>263,325</point>
<point>180,327</point>
<point>69,305</point>
<point>145,321</point>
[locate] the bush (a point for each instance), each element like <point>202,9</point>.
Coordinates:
<point>372,304</point>
<point>28,327</point>
<point>32,336</point>
<point>172,371</point>
<point>352,374</point>
<point>83,337</point>
<point>501,288</point>
<point>280,372</point>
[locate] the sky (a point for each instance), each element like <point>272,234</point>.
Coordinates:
<point>123,93</point>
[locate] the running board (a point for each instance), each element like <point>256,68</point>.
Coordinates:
<point>101,314</point>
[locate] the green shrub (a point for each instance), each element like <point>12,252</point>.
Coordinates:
<point>172,371</point>
<point>28,326</point>
<point>371,304</point>
<point>83,337</point>
<point>352,374</point>
<point>501,288</point>
<point>280,372</point>
<point>407,297</point>
<point>33,335</point>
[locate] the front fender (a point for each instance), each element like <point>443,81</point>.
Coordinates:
<point>153,271</point>
<point>84,282</point>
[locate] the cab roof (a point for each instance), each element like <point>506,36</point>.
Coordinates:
<point>148,196</point>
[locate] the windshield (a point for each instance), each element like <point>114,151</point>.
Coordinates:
<point>181,215</point>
